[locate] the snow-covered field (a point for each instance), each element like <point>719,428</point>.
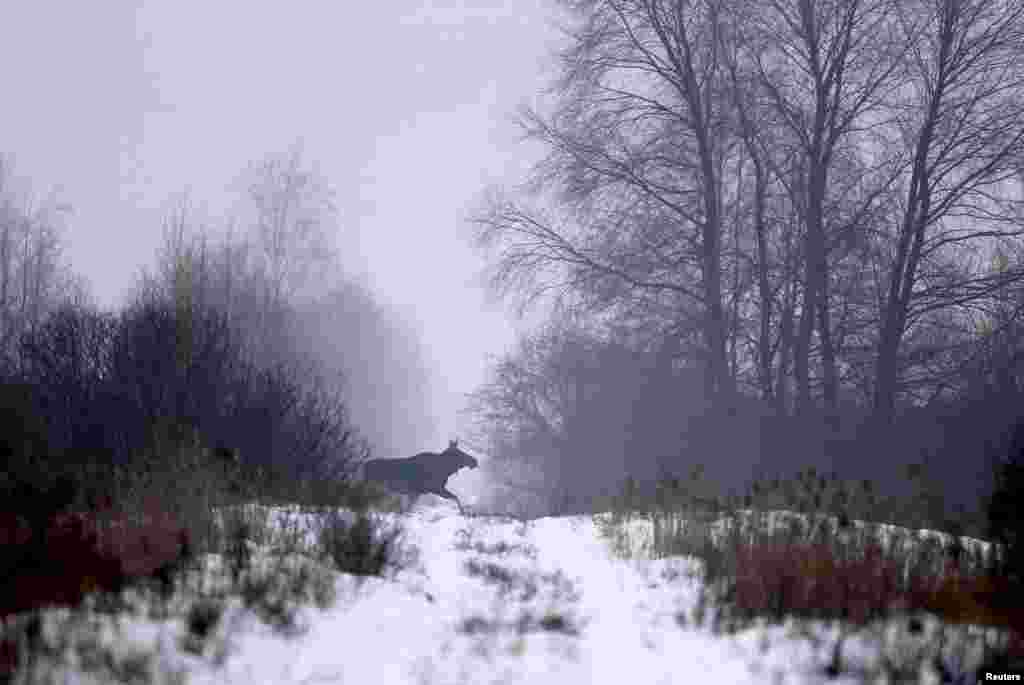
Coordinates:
<point>492,600</point>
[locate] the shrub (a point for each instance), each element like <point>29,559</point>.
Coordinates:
<point>72,555</point>
<point>62,565</point>
<point>1006,508</point>
<point>203,617</point>
<point>363,547</point>
<point>779,579</point>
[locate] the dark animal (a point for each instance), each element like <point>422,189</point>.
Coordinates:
<point>423,473</point>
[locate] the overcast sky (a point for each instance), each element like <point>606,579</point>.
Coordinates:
<point>404,104</point>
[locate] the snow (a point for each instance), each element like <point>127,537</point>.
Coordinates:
<point>489,600</point>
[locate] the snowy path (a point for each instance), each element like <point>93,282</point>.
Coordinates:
<point>495,601</point>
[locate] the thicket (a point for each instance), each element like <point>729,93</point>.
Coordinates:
<point>802,549</point>
<point>89,390</point>
<point>127,440</point>
<point>570,413</point>
<point>161,409</point>
<point>1006,508</point>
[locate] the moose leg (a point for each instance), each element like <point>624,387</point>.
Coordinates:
<point>444,492</point>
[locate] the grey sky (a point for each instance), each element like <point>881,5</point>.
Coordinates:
<point>404,105</point>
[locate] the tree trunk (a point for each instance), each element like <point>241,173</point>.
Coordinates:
<point>830,375</point>
<point>764,343</point>
<point>785,352</point>
<point>715,324</point>
<point>904,269</point>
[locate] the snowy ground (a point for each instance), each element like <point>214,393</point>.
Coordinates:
<point>492,600</point>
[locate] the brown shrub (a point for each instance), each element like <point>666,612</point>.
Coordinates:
<point>778,579</point>
<point>60,560</point>
<point>980,599</point>
<point>75,554</point>
<point>143,545</point>
<point>14,530</point>
<point>56,567</point>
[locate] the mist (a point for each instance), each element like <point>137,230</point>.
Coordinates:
<point>586,288</point>
<point>148,103</point>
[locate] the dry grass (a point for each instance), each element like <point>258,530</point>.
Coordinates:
<point>155,520</point>
<point>778,579</point>
<point>823,566</point>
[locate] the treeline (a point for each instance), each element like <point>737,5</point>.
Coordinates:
<point>774,236</point>
<point>90,387</point>
<point>237,343</point>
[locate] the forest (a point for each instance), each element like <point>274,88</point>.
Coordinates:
<point>249,340</point>
<point>771,238</point>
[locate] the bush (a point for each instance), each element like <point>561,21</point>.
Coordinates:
<point>1006,514</point>
<point>779,580</point>
<point>92,387</point>
<point>824,566</point>
<point>203,618</point>
<point>75,554</point>
<point>23,442</point>
<point>363,547</point>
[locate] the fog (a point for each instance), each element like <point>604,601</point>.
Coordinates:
<point>404,106</point>
<point>698,326</point>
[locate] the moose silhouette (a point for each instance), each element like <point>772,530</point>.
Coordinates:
<point>420,474</point>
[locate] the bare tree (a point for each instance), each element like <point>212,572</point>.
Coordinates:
<point>825,67</point>
<point>637,141</point>
<point>33,277</point>
<point>338,332</point>
<point>963,123</point>
<point>293,217</point>
<point>552,422</point>
<point>255,275</point>
<point>756,152</point>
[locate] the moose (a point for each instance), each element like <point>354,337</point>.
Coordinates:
<point>420,474</point>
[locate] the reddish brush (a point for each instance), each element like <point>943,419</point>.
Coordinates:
<point>779,578</point>
<point>59,562</point>
<point>75,555</point>
<point>55,567</point>
<point>978,599</point>
<point>143,545</point>
<point>14,530</point>
<point>814,580</point>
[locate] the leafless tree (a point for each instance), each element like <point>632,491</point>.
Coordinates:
<point>826,67</point>
<point>34,280</point>
<point>294,218</point>
<point>637,140</point>
<point>334,328</point>
<point>962,121</point>
<point>539,411</point>
<point>810,191</point>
